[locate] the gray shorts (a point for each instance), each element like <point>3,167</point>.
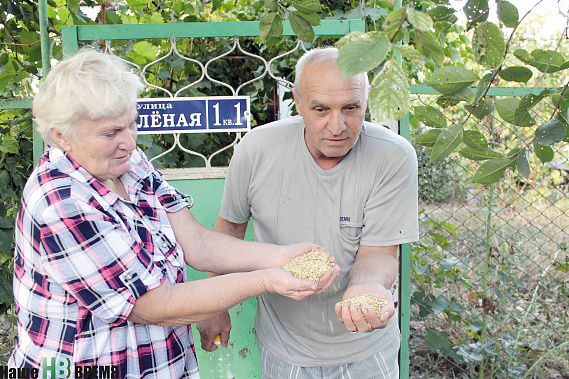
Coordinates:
<point>383,365</point>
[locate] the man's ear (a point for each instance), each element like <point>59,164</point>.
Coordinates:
<point>60,139</point>
<point>296,101</point>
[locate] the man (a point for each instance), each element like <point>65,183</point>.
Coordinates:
<point>345,184</point>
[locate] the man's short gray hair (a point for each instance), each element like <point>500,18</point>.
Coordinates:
<point>88,85</point>
<point>320,55</point>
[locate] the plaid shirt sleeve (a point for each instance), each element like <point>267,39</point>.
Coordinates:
<point>92,255</point>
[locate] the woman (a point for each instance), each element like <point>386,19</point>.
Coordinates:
<point>102,241</point>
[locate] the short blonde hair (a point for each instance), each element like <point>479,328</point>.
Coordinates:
<point>90,85</point>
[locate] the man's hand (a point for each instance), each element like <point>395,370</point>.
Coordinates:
<point>287,252</point>
<point>219,325</point>
<point>284,283</point>
<point>365,320</point>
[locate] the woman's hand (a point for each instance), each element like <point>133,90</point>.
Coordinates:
<point>280,281</point>
<point>287,252</point>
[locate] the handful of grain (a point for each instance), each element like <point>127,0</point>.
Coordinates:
<point>309,266</point>
<point>367,300</point>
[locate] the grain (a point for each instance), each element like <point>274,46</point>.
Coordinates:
<point>311,265</point>
<point>367,300</point>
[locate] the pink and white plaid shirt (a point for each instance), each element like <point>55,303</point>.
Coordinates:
<point>83,256</point>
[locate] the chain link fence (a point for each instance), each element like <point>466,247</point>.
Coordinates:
<point>489,274</point>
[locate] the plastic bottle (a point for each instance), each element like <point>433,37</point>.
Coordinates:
<point>221,362</point>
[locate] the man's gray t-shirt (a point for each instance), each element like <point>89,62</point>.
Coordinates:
<point>369,198</point>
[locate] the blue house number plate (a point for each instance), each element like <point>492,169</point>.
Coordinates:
<point>194,114</point>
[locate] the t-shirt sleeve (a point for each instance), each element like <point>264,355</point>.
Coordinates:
<point>95,259</point>
<point>391,212</point>
<point>235,205</point>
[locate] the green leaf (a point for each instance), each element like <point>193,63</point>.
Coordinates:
<point>430,116</point>
<point>476,11</point>
<point>6,224</point>
<point>523,163</point>
<point>528,102</point>
<point>508,13</point>
<point>73,5</point>
<point>390,98</point>
<point>146,49</point>
<point>492,170</point>
<point>351,36</point>
<point>271,25</point>
<point>312,18</point>
<point>481,87</point>
<point>475,140</point>
<point>10,145</point>
<point>429,138</point>
<point>561,101</point>
<point>272,5</point>
<point>301,27</point>
<point>420,20</point>
<point>507,107</point>
<point>448,140</point>
<point>479,155</point>
<point>363,54</point>
<point>488,45</point>
<point>549,133</point>
<point>563,117</point>
<point>4,179</point>
<point>523,56</point>
<point>306,6</point>
<point>518,74</point>
<point>393,21</point>
<point>481,110</point>
<point>544,153</point>
<point>430,47</point>
<point>548,61</point>
<point>450,79</point>
<point>5,241</point>
<point>415,57</point>
<point>441,13</point>
<point>437,342</point>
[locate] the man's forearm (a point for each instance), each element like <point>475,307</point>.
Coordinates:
<point>375,264</point>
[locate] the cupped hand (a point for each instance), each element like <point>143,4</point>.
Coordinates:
<point>284,283</point>
<point>364,319</point>
<point>287,252</point>
<point>218,325</point>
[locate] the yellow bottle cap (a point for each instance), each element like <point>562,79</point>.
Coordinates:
<point>217,340</point>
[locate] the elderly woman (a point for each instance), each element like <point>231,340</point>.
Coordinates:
<point>102,241</point>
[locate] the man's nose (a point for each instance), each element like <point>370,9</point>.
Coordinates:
<point>337,124</point>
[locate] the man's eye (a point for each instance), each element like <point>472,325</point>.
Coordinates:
<point>110,134</point>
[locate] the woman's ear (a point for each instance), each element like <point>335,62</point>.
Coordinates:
<point>60,139</point>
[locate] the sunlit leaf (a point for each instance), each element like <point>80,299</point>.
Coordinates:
<point>482,109</point>
<point>544,153</point>
<point>363,53</point>
<point>429,138</point>
<point>523,163</point>
<point>429,46</point>
<point>393,21</point>
<point>447,141</point>
<point>476,11</point>
<point>481,87</point>
<point>390,98</point>
<point>270,26</point>
<point>449,79</point>
<point>479,155</point>
<point>301,27</point>
<point>523,56</point>
<point>475,140</point>
<point>306,6</point>
<point>413,55</point>
<point>419,20</point>
<point>488,45</point>
<point>528,102</point>
<point>518,74</point>
<point>507,107</point>
<point>548,61</point>
<point>272,5</point>
<point>492,170</point>
<point>146,49</point>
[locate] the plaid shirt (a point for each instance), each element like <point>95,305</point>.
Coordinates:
<point>83,256</point>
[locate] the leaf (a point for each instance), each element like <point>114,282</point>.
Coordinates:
<point>271,25</point>
<point>393,21</point>
<point>508,13</point>
<point>4,179</point>
<point>450,79</point>
<point>548,61</point>
<point>447,141</point>
<point>430,116</point>
<point>272,5</point>
<point>430,47</point>
<point>544,153</point>
<point>441,13</point>
<point>5,241</point>
<point>523,163</point>
<point>306,6</point>
<point>363,53</point>
<point>415,57</point>
<point>523,56</point>
<point>479,155</point>
<point>528,102</point>
<point>390,98</point>
<point>437,342</point>
<point>312,18</point>
<point>429,138</point>
<point>476,11</point>
<point>475,140</point>
<point>301,27</point>
<point>419,20</point>
<point>146,49</point>
<point>481,110</point>
<point>518,74</point>
<point>488,45</point>
<point>10,145</point>
<point>550,132</point>
<point>481,87</point>
<point>507,107</point>
<point>492,170</point>
<point>6,224</point>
